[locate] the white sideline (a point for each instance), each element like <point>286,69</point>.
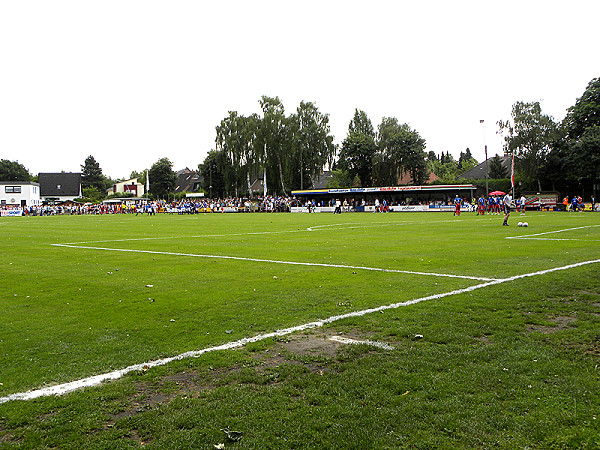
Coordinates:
<point>97,379</point>
<point>275,261</point>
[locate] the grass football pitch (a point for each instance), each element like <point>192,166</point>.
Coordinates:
<point>468,334</point>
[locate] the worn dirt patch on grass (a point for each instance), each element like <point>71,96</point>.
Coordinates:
<point>9,438</point>
<point>312,350</point>
<point>594,347</point>
<point>484,339</point>
<point>560,323</point>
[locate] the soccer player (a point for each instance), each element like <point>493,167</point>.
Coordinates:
<point>457,202</point>
<point>523,203</point>
<point>507,203</point>
<point>338,206</point>
<point>481,205</point>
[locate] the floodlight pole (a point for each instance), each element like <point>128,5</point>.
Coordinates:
<point>486,173</point>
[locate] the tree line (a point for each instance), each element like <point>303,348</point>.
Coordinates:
<point>288,152</point>
<point>555,155</point>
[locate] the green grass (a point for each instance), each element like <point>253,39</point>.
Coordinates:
<point>512,365</point>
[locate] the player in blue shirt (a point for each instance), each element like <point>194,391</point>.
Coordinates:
<point>457,202</point>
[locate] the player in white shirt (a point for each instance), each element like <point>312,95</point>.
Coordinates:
<point>507,202</point>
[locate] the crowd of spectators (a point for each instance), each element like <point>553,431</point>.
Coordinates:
<point>231,204</point>
<point>184,206</point>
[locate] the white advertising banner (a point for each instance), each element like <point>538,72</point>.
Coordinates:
<point>11,212</point>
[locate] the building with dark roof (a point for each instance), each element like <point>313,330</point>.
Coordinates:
<point>322,179</point>
<point>188,181</point>
<point>479,172</point>
<point>59,187</point>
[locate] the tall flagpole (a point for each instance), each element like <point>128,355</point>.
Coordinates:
<point>265,172</point>
<point>487,191</point>
<point>512,173</point>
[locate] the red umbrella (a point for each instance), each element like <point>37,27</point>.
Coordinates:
<point>497,193</point>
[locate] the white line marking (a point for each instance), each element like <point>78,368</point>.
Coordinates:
<point>256,233</point>
<point>553,239</point>
<point>97,379</point>
<point>345,340</point>
<point>346,226</point>
<point>275,261</point>
<point>528,236</point>
<point>182,237</point>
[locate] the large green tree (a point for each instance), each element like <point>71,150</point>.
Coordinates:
<point>581,152</point>
<point>388,160</point>
<point>358,149</point>
<point>13,171</point>
<point>445,167</point>
<point>91,175</point>
<point>235,139</point>
<point>213,171</point>
<point>288,151</point>
<point>530,135</point>
<point>356,157</point>
<point>399,149</point>
<point>361,123</point>
<point>466,161</point>
<point>162,178</point>
<point>273,144</point>
<point>586,111</point>
<point>312,142</point>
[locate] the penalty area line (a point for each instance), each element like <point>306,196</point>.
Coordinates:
<point>275,261</point>
<point>530,236</point>
<point>98,379</point>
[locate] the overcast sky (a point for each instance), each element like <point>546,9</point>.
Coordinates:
<point>132,81</point>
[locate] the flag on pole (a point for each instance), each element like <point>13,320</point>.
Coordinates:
<point>147,183</point>
<point>512,173</point>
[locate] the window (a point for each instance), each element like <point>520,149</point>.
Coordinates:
<point>12,189</point>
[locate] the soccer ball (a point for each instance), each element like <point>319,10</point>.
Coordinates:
<point>520,224</point>
<point>525,224</point>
